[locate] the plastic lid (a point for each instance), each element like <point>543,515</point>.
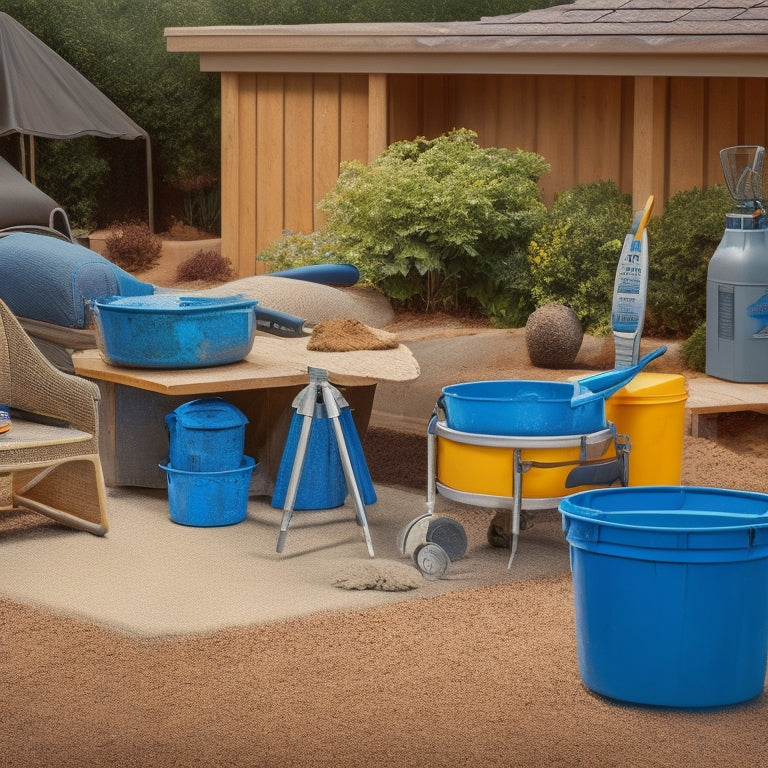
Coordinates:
<point>652,385</point>
<point>208,413</point>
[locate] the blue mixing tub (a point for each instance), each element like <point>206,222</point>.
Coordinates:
<point>671,593</point>
<point>521,408</point>
<point>173,331</point>
<point>206,499</point>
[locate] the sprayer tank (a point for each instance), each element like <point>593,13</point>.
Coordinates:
<point>737,306</point>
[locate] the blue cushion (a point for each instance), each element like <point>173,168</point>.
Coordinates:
<point>51,280</point>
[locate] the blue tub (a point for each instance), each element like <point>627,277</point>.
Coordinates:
<point>521,408</point>
<point>172,331</point>
<point>671,593</point>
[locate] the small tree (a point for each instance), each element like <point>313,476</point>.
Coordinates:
<point>436,222</point>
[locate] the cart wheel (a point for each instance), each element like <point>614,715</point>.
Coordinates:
<point>432,560</point>
<point>413,534</point>
<point>449,534</point>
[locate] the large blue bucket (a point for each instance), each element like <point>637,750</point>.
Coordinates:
<point>671,593</point>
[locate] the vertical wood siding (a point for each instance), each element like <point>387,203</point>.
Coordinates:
<point>284,136</point>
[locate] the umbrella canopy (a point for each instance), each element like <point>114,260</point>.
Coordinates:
<point>42,95</point>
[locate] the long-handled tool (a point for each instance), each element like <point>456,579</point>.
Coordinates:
<point>630,290</point>
<point>320,395</point>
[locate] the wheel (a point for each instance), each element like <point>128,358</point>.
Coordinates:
<point>432,560</point>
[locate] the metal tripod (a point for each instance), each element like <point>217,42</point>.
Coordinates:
<point>331,401</point>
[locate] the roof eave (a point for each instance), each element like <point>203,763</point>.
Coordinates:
<point>286,49</point>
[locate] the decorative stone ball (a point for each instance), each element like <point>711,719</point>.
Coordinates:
<point>553,336</point>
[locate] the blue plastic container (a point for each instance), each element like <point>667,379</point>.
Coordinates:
<point>520,408</point>
<point>206,499</point>
<point>171,331</point>
<point>671,593</point>
<point>206,435</point>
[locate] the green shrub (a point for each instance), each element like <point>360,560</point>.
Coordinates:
<point>694,349</point>
<point>209,266</point>
<point>295,249</point>
<point>681,243</point>
<point>573,257</point>
<point>132,246</point>
<point>437,222</point>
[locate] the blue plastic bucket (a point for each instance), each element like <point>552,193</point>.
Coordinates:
<point>206,499</point>
<point>520,408</point>
<point>671,593</point>
<point>206,435</point>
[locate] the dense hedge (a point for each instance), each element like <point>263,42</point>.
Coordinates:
<point>445,224</point>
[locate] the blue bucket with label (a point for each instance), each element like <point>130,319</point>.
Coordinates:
<point>671,593</point>
<point>206,435</point>
<point>207,499</point>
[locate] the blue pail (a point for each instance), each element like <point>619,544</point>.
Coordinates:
<point>208,499</point>
<point>671,593</point>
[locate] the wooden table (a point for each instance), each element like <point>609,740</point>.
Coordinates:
<point>133,438</point>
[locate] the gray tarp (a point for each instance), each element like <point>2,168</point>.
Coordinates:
<point>42,95</point>
<point>22,203</point>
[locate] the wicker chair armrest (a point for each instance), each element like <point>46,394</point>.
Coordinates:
<point>39,387</point>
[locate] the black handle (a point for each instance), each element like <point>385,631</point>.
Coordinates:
<point>279,323</point>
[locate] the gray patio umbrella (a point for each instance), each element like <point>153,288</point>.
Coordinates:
<point>42,95</point>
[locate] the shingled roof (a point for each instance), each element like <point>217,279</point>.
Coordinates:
<point>642,17</point>
<point>678,37</point>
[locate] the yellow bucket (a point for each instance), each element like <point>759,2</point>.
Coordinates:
<point>651,410</point>
<point>489,469</point>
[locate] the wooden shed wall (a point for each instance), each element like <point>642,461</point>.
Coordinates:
<point>284,135</point>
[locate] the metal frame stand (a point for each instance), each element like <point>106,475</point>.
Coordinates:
<point>601,470</point>
<point>331,401</point>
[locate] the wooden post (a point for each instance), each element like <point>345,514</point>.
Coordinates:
<point>230,184</point>
<point>648,148</point>
<point>378,115</point>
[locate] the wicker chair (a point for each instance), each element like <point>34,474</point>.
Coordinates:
<point>49,460</point>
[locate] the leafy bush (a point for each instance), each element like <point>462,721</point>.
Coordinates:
<point>436,222</point>
<point>210,266</point>
<point>295,249</point>
<point>694,349</point>
<point>573,257</point>
<point>682,242</point>
<point>132,246</point>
